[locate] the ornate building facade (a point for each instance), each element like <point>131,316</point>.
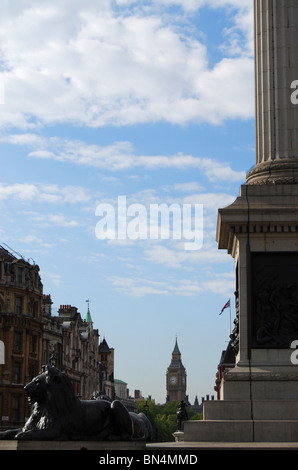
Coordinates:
<point>71,344</point>
<point>176,377</point>
<point>21,294</point>
<point>106,358</point>
<point>32,336</point>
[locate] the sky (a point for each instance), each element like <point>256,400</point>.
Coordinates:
<point>148,102</point>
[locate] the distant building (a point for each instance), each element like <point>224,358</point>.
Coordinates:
<point>72,344</point>
<point>176,377</point>
<point>122,394</point>
<point>121,390</point>
<point>138,395</point>
<point>21,328</point>
<point>198,407</point>
<point>106,361</point>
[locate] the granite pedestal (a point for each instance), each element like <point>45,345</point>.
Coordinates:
<point>73,445</point>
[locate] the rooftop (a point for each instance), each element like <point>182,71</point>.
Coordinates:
<point>6,255</point>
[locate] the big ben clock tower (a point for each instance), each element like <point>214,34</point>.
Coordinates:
<point>176,377</point>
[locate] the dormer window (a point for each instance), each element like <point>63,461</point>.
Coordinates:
<point>19,275</point>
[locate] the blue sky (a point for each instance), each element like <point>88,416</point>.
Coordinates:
<point>151,100</point>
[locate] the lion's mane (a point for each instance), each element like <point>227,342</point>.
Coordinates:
<point>55,407</point>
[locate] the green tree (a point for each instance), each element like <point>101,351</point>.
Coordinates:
<point>163,418</point>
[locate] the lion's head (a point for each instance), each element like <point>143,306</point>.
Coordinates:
<point>51,384</point>
<point>52,394</point>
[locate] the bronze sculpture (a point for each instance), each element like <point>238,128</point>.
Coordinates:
<point>58,414</point>
<point>181,414</point>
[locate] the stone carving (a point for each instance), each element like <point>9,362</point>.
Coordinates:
<point>58,414</point>
<point>234,336</point>
<point>281,171</point>
<point>275,306</point>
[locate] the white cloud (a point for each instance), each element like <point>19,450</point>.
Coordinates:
<point>52,278</point>
<point>211,201</point>
<point>178,257</point>
<point>21,192</point>
<point>25,192</point>
<point>139,288</point>
<point>60,220</point>
<point>174,287</point>
<point>30,239</point>
<point>119,156</point>
<point>190,186</point>
<point>90,65</point>
<point>191,5</point>
<point>34,241</point>
<point>47,220</point>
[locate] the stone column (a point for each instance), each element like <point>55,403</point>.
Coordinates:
<point>276,68</point>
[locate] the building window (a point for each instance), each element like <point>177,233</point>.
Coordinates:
<point>20,275</point>
<point>33,344</point>
<point>19,305</point>
<point>16,373</point>
<point>15,409</point>
<point>35,309</point>
<point>17,341</point>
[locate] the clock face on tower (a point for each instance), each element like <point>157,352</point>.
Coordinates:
<point>173,379</point>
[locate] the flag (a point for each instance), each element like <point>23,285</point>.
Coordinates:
<point>225,306</point>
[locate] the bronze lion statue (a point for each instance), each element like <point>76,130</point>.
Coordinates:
<point>58,414</point>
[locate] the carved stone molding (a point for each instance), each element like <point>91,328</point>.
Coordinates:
<point>274,172</point>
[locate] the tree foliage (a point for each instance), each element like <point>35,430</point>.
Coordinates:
<point>163,418</point>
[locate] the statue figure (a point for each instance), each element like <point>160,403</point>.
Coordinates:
<point>58,414</point>
<point>181,414</point>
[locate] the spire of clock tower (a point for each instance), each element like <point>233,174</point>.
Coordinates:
<point>176,355</point>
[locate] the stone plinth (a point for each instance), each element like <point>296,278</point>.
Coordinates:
<point>73,445</point>
<point>179,436</point>
<point>258,397</point>
<point>241,431</point>
<point>260,410</point>
<point>256,383</point>
<point>260,231</point>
